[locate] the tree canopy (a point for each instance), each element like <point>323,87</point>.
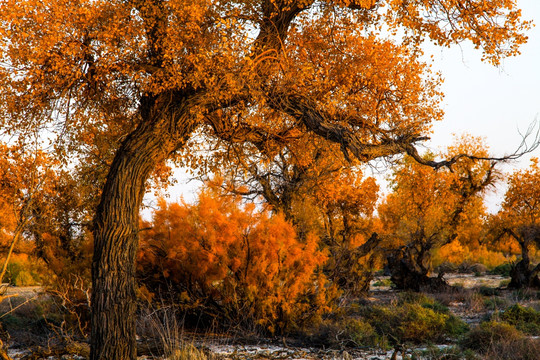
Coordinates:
<point>427,210</point>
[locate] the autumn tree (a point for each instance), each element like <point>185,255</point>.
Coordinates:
<point>347,203</point>
<point>519,220</point>
<point>242,70</point>
<point>27,178</point>
<point>229,262</point>
<point>428,209</point>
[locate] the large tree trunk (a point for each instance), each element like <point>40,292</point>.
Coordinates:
<point>116,232</point>
<point>523,275</point>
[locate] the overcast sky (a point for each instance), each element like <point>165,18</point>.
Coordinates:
<point>480,99</point>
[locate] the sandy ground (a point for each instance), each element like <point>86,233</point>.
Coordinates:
<point>26,291</point>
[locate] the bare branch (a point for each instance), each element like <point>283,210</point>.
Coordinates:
<point>525,147</point>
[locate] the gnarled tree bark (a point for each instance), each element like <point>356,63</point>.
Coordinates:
<point>160,132</point>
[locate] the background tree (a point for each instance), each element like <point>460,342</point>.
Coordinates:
<point>27,177</point>
<point>429,209</point>
<point>519,220</point>
<point>159,70</point>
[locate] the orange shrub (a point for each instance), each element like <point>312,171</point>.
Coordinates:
<point>245,265</point>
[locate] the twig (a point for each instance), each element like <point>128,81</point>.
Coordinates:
<point>18,306</point>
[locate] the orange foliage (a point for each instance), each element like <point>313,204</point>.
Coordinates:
<point>347,202</point>
<point>517,225</point>
<point>27,177</point>
<point>219,251</point>
<point>521,204</point>
<point>432,209</point>
<point>457,253</point>
<point>44,205</point>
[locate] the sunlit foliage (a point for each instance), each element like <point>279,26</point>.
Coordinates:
<point>148,74</point>
<point>429,209</point>
<point>519,221</point>
<point>235,262</point>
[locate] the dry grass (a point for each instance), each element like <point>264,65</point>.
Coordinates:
<point>164,334</point>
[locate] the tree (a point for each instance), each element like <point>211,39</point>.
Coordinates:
<point>429,209</point>
<point>519,219</point>
<point>249,70</point>
<point>310,182</point>
<point>27,177</point>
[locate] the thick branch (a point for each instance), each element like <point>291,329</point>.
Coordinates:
<point>316,120</point>
<point>306,111</point>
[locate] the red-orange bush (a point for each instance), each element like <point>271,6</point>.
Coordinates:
<point>232,260</point>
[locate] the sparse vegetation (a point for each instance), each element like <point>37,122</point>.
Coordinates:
<point>503,269</point>
<point>500,340</point>
<point>523,318</point>
<point>415,319</point>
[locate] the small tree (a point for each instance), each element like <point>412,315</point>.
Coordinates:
<point>519,220</point>
<point>27,177</point>
<point>429,209</point>
<point>321,193</point>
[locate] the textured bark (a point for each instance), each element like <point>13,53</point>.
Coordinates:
<point>116,229</point>
<point>347,275</point>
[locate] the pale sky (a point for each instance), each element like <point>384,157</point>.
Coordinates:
<point>492,102</point>
<point>480,99</point>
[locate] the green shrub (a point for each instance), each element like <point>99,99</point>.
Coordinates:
<point>19,274</point>
<point>422,300</point>
<point>24,278</point>
<point>455,327</point>
<point>488,333</point>
<point>410,297</point>
<point>495,303</point>
<point>523,318</point>
<point>349,332</point>
<point>421,324</point>
<point>382,282</point>
<point>413,323</point>
<point>360,333</point>
<point>501,341</point>
<point>503,269</point>
<point>12,271</point>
